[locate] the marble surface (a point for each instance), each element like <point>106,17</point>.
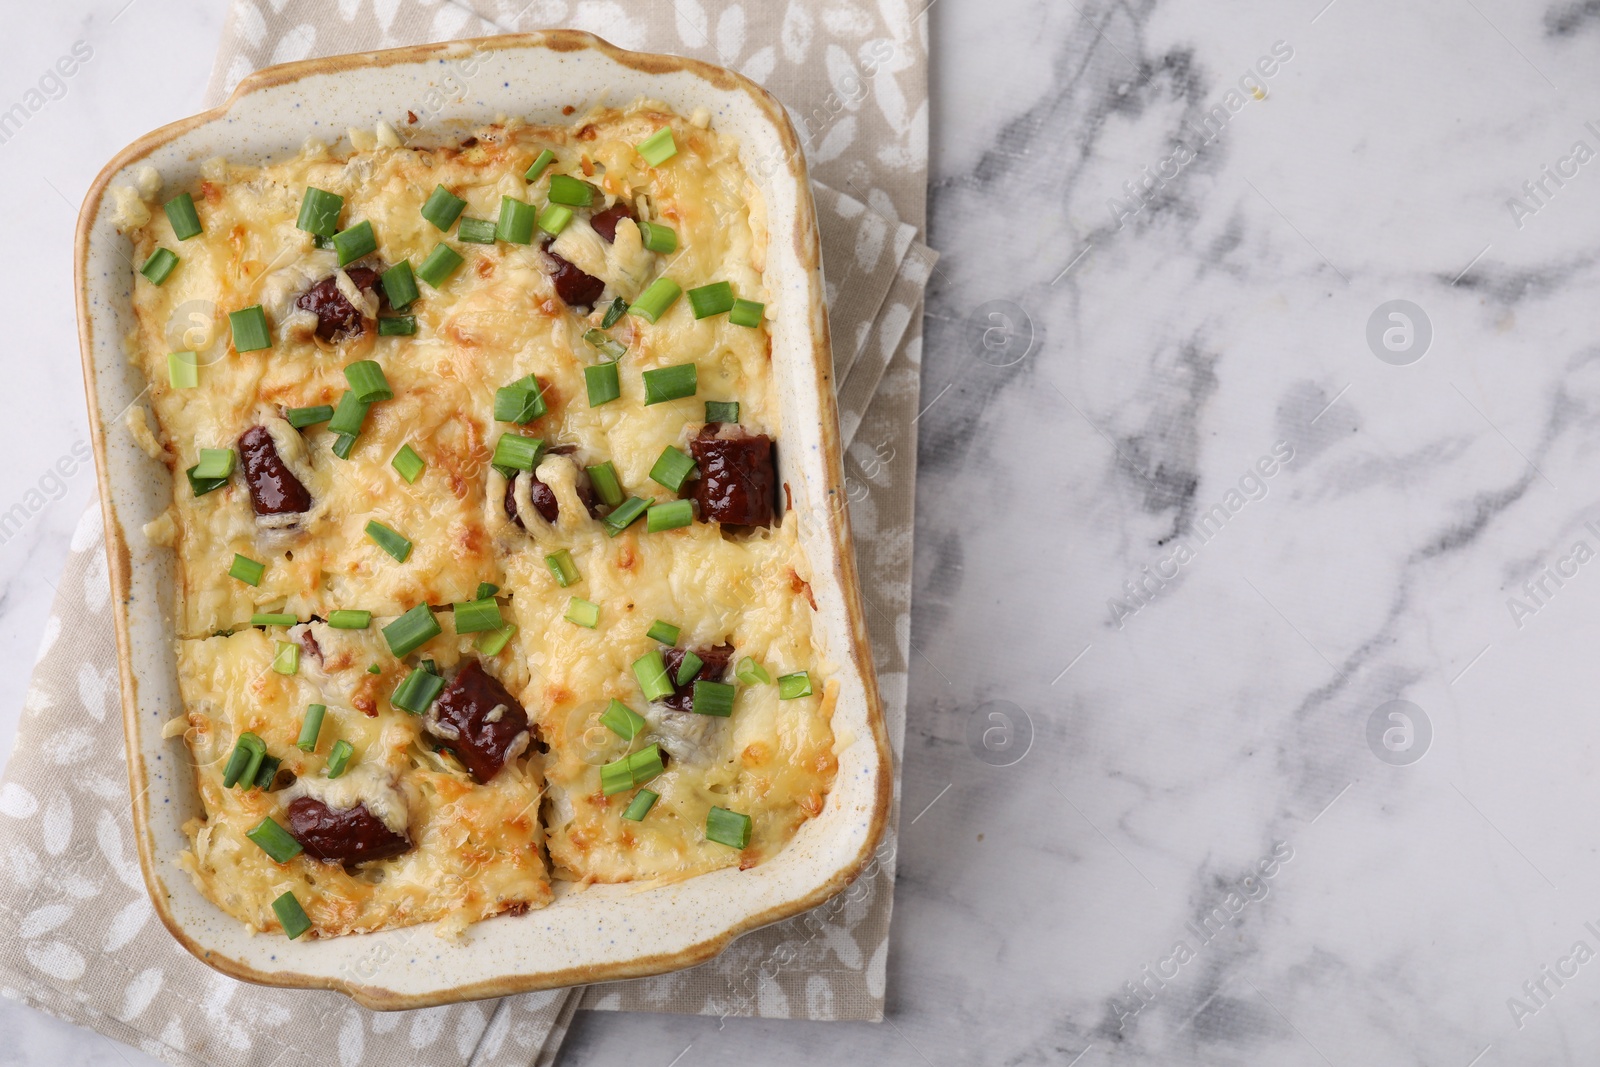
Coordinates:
<point>1195,513</point>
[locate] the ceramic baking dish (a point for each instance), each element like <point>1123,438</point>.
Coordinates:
<point>589,935</point>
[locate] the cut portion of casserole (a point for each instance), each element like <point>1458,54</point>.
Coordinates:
<point>524,379</point>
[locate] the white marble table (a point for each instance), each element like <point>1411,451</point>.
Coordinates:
<point>1194,513</point>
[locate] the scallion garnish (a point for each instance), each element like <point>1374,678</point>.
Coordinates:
<point>607,486</point>
<point>486,589</point>
<point>752,673</point>
<point>658,238</point>
<point>349,415</point>
<point>183,370</point>
<point>670,383</point>
<point>631,771</point>
<point>411,631</point>
<point>419,689</point>
<point>516,221</point>
<point>669,516</point>
<point>344,444</point>
<point>244,761</point>
<point>310,727</point>
<point>712,698</point>
<point>543,160</point>
<point>626,514</point>
<point>268,772</point>
<point>202,486</point>
<point>440,264</point>
<point>400,285</point>
<point>722,411</point>
<point>605,344</point>
<point>443,208</point>
<point>658,147</point>
<point>492,642</point>
<point>520,402</point>
<point>728,827</point>
<point>390,541</point>
<point>357,241</point>
<point>249,329</point>
<point>554,218</point>
<point>408,463</point>
<point>181,213</point>
<point>291,915</point>
<point>791,686</point>
<point>477,616</point>
<point>561,565</point>
<point>287,659</point>
<point>274,840</point>
<point>367,381</point>
<point>319,212</point>
<point>215,463</point>
<point>709,300</point>
<point>688,667</point>
<point>640,806</point>
<point>339,757</point>
<point>515,452</point>
<point>747,313</point>
<point>349,619</point>
<point>622,720</point>
<point>300,418</point>
<point>246,570</point>
<point>273,618</point>
<point>614,313</point>
<point>574,192</point>
<point>673,468</point>
<point>664,632</point>
<point>651,671</point>
<point>602,383</point>
<point>397,325</point>
<point>159,265</point>
<point>654,301</point>
<point>583,613</point>
<point>476,231</point>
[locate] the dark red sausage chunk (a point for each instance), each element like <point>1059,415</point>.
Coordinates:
<point>715,662</point>
<point>346,835</point>
<point>737,479</point>
<point>463,720</point>
<point>543,497</point>
<point>605,222</point>
<point>336,316</point>
<point>274,490</point>
<point>573,286</point>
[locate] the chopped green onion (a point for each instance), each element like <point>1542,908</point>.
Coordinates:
<point>300,418</point>
<point>291,915</point>
<point>516,221</point>
<point>565,189</point>
<point>486,589</point>
<point>411,631</point>
<point>583,613</point>
<point>476,616</point>
<point>658,147</point>
<point>159,265</point>
<point>400,285</point>
<point>344,444</point>
<point>183,370</point>
<point>722,411</point>
<point>602,382</point>
<point>616,777</point>
<point>794,685</point>
<point>274,840</point>
<point>640,806</point>
<point>273,618</point>
<point>670,383</point>
<point>249,329</point>
<point>391,542</point>
<point>443,208</point>
<point>268,772</point>
<point>246,570</point>
<point>630,771</point>
<point>349,416</point>
<point>374,669</point>
<point>440,264</point>
<point>658,238</point>
<point>709,300</point>
<point>673,468</point>
<point>339,757</point>
<point>646,764</point>
<point>367,381</point>
<point>408,463</point>
<point>669,516</point>
<point>622,720</point>
<point>712,698</point>
<point>614,313</point>
<point>287,658</point>
<point>248,752</point>
<point>654,301</point>
<point>651,671</point>
<point>747,313</point>
<point>215,463</point>
<point>752,673</point>
<point>202,486</point>
<point>554,218</point>
<point>492,642</point>
<point>397,325</point>
<point>520,402</point>
<point>626,514</point>
<point>319,212</point>
<point>543,160</point>
<point>607,486</point>
<point>349,619</point>
<point>688,667</point>
<point>476,231</point>
<point>419,689</point>
<point>311,727</point>
<point>561,565</point>
<point>181,213</point>
<point>607,345</point>
<point>357,241</point>
<point>517,452</point>
<point>664,632</point>
<point>727,827</point>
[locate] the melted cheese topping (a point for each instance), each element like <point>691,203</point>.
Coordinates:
<point>478,847</point>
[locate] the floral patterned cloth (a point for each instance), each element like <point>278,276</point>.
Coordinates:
<point>86,944</point>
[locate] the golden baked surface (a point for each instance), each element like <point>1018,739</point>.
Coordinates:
<point>451,807</point>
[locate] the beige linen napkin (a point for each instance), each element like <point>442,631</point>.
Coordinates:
<point>86,945</point>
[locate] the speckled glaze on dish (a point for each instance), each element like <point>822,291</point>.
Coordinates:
<point>595,934</point>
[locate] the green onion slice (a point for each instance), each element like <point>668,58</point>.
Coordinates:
<point>664,632</point>
<point>443,208</point>
<point>344,444</point>
<point>349,416</point>
<point>791,686</point>
<point>669,516</point>
<point>367,380</point>
<point>583,612</point>
<point>274,840</point>
<point>300,418</point>
<point>658,147</point>
<point>520,402</point>
<point>486,589</point>
<point>397,325</point>
<point>408,463</point>
<point>411,631</point>
<point>658,238</point>
<point>640,806</point>
<point>420,689</point>
<point>319,212</point>
<point>602,382</point>
<point>607,486</point>
<point>728,827</point>
<point>349,619</point>
<point>339,757</point>
<point>311,727</point>
<point>202,486</point>
<point>631,771</point>
<point>516,221</point>
<point>654,301</point>
<point>400,285</point>
<point>565,189</point>
<point>515,452</point>
<point>181,213</point>
<point>688,667</point>
<point>159,265</point>
<point>747,313</point>
<point>543,160</point>
<point>614,313</point>
<point>268,772</point>
<point>722,411</point>
<point>291,915</point>
<point>554,218</point>
<point>391,542</point>
<point>357,241</point>
<point>492,642</point>
<point>626,514</point>
<point>249,329</point>
<point>622,720</point>
<point>246,570</point>
<point>287,659</point>
<point>751,673</point>
<point>440,264</point>
<point>476,231</point>
<point>476,616</point>
<point>245,759</point>
<point>183,370</point>
<point>215,463</point>
<point>709,300</point>
<point>561,565</point>
<point>673,467</point>
<point>712,698</point>
<point>273,618</point>
<point>651,672</point>
<point>605,344</point>
<point>670,383</point>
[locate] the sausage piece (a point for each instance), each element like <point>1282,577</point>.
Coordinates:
<point>605,222</point>
<point>336,316</point>
<point>737,479</point>
<point>573,286</point>
<point>479,721</point>
<point>344,835</point>
<point>543,497</point>
<point>715,666</point>
<point>274,490</point>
